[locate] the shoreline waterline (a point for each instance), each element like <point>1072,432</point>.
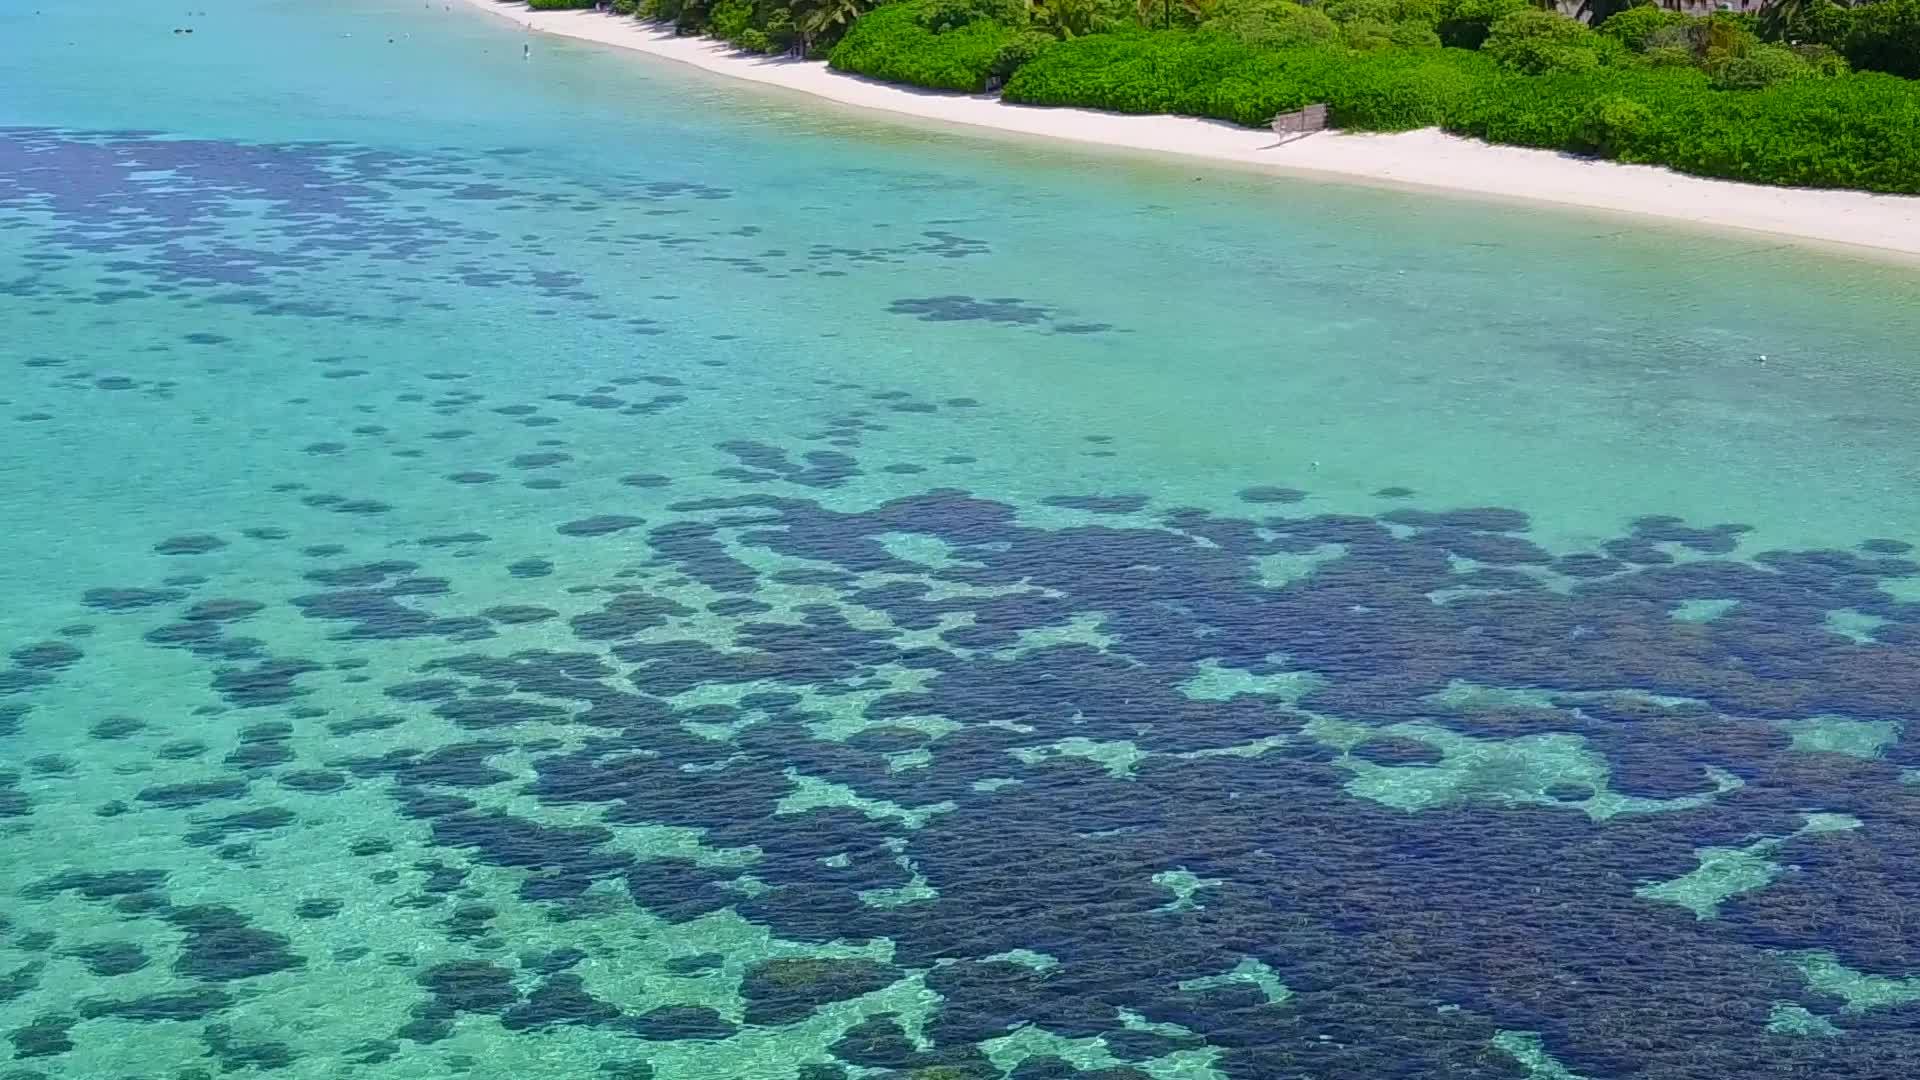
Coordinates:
<point>1848,222</point>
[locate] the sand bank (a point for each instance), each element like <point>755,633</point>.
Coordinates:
<point>1427,159</point>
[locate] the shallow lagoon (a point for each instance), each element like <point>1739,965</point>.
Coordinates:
<point>563,568</point>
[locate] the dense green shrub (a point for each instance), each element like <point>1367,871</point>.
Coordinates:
<point>558,5</point>
<point>940,16</point>
<point>730,19</point>
<point>1857,131</point>
<point>1163,72</point>
<point>1402,97</point>
<point>1218,76</point>
<point>1821,22</point>
<point>1721,36</point>
<point>1546,111</point>
<point>1823,59</point>
<point>1366,35</point>
<point>1015,54</point>
<point>1347,11</point>
<point>687,16</point>
<point>1759,67</point>
<point>1634,26</point>
<point>1722,45</point>
<point>1612,124</point>
<point>753,25</point>
<point>1415,35</point>
<point>1701,95</point>
<point>1537,42</point>
<point>1669,56</point>
<point>1273,23</point>
<point>1885,36</point>
<point>1126,72</point>
<point>893,43</point>
<point>1731,32</point>
<point>1077,18</point>
<point>1427,13</point>
<point>1466,26</point>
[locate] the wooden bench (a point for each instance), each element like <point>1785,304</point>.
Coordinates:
<point>1301,123</point>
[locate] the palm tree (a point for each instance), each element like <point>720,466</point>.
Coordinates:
<point>1151,11</point>
<point>1779,17</point>
<point>1066,18</point>
<point>1775,16</point>
<point>829,18</point>
<point>1591,12</point>
<point>1598,11</point>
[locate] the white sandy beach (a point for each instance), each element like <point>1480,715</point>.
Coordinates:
<point>1427,159</point>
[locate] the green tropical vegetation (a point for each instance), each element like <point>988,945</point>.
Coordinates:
<point>1805,92</point>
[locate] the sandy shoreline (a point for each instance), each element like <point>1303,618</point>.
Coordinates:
<point>1431,159</point>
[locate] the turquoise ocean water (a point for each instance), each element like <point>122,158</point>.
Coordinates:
<point>566,567</point>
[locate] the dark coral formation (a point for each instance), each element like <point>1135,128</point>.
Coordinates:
<point>1312,882</point>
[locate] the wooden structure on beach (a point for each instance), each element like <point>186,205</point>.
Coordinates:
<point>1300,123</point>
